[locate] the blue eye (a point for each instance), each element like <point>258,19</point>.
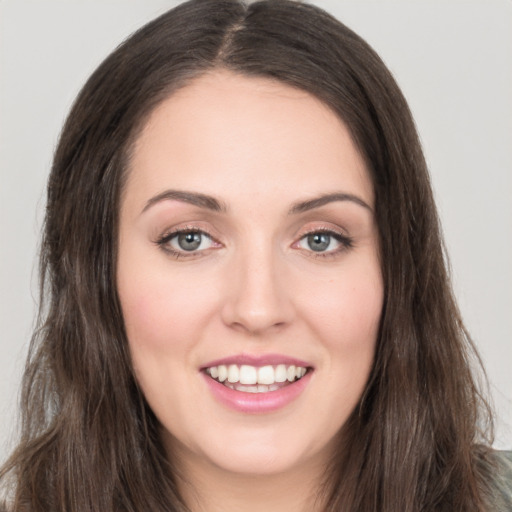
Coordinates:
<point>186,241</point>
<point>324,242</point>
<point>318,242</point>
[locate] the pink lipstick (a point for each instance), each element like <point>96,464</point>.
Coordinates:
<point>257,384</point>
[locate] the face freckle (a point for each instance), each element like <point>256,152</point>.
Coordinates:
<point>253,168</point>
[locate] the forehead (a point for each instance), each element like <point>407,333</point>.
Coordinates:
<point>228,133</point>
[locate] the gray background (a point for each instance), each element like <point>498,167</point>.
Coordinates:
<point>453,60</point>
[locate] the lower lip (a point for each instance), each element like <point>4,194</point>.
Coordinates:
<point>257,402</point>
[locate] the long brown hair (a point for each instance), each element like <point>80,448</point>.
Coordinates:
<point>89,442</point>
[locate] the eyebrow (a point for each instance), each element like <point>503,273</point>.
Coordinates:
<point>213,204</point>
<point>194,198</point>
<point>317,202</point>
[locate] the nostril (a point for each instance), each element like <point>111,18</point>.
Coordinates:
<point>254,328</point>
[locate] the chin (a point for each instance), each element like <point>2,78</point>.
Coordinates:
<point>257,461</point>
<point>263,451</point>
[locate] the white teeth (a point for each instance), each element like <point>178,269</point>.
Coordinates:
<point>260,388</point>
<point>252,379</point>
<point>266,375</point>
<point>248,374</point>
<point>246,389</point>
<point>280,375</point>
<point>223,372</point>
<point>233,373</point>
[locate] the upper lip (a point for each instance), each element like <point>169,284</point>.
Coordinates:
<point>257,360</point>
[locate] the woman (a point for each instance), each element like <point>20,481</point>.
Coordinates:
<point>246,303</point>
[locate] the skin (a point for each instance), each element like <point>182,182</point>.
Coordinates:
<point>254,287</point>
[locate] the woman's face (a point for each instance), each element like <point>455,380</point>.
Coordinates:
<point>248,254</point>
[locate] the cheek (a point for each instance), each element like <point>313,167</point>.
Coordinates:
<point>165,317</point>
<point>347,310</point>
<point>148,317</point>
<point>163,311</point>
<point>344,314</point>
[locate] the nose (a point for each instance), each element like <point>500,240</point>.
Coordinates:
<point>258,300</point>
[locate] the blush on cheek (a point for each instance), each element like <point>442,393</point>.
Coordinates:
<point>146,320</point>
<point>167,313</point>
<point>355,312</point>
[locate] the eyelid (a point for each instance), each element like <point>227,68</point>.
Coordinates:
<point>317,227</point>
<point>346,242</point>
<point>163,240</point>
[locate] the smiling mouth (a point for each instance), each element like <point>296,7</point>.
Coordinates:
<point>254,379</point>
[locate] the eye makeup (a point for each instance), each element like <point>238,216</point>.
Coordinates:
<point>323,243</point>
<point>187,242</point>
<point>192,242</point>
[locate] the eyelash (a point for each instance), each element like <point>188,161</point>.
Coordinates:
<point>163,242</point>
<point>345,242</point>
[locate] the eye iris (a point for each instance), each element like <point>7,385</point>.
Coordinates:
<point>189,241</point>
<point>319,241</point>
